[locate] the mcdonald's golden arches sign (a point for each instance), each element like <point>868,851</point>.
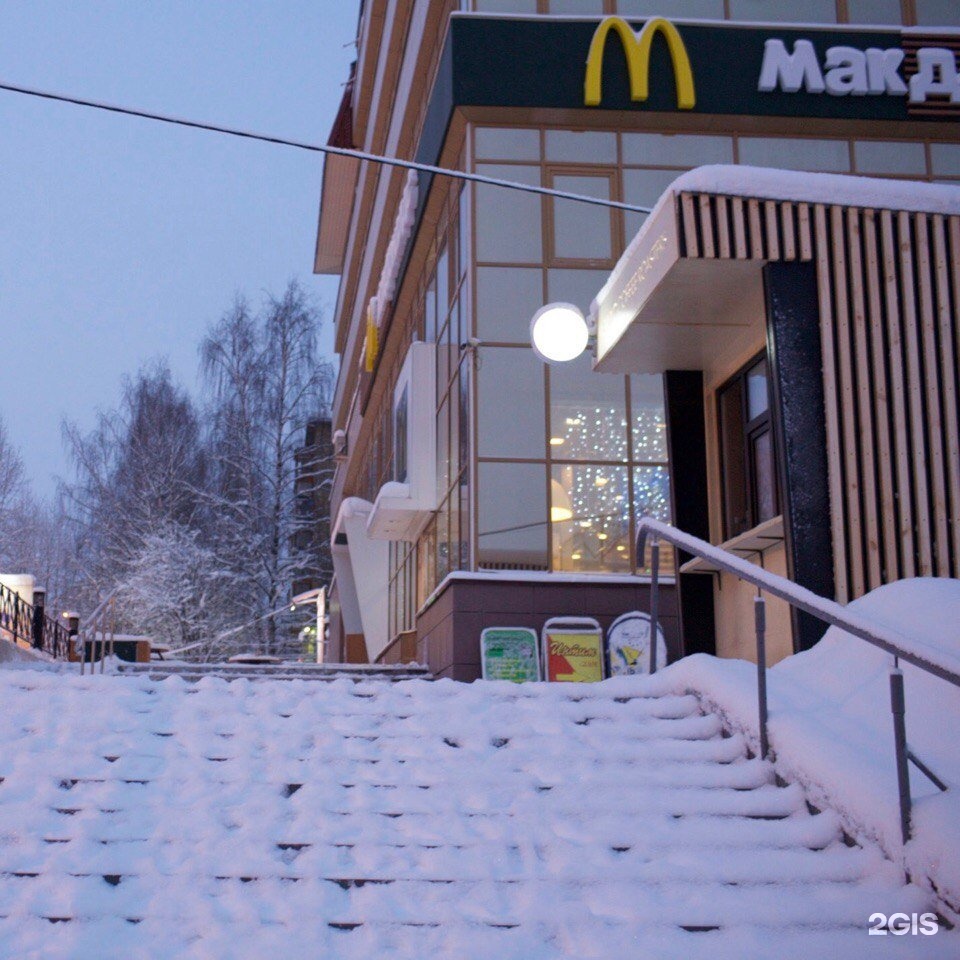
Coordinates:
<point>636,47</point>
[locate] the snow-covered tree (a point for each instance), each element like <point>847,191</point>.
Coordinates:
<point>173,590</point>
<point>265,382</point>
<point>12,480</point>
<point>139,470</point>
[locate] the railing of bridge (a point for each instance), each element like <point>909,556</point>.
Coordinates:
<point>28,626</point>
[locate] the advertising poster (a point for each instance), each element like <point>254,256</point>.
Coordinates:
<point>573,656</point>
<point>628,645</point>
<point>509,653</point>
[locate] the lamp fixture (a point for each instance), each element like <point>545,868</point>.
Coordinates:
<point>559,333</point>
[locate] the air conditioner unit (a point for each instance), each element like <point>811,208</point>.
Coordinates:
<point>404,505</point>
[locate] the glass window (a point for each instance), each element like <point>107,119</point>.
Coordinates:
<point>651,498</point>
<point>446,358</point>
<point>463,232</point>
<point>643,187</point>
<point>430,312</point>
<point>733,459</point>
<point>761,455</point>
<point>651,492</point>
<point>798,11</point>
<point>507,143</point>
<point>747,461</point>
<point>443,287</point>
<point>443,448</point>
<point>455,421</point>
<point>507,297</point>
<point>582,231</point>
<point>757,402</point>
<point>588,413</point>
<point>508,221</point>
<point>649,419</point>
<point>678,9</point>
<point>877,156</point>
<point>426,563</point>
<point>581,146</point>
<point>576,6</point>
<point>512,508</point>
<point>579,287</point>
<point>946,159</point>
<point>675,150</point>
<point>443,540</point>
<point>938,13</point>
<point>506,6</point>
<point>874,11</point>
<point>463,498</point>
<point>400,439</point>
<point>459,326</point>
<point>510,403</point>
<point>590,514</point>
<point>455,551</point>
<point>796,154</point>
<point>464,428</point>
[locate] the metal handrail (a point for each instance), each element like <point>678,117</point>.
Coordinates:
<point>829,611</point>
<point>29,625</point>
<point>96,639</point>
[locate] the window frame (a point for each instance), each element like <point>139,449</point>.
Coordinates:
<point>609,172</point>
<point>751,429</point>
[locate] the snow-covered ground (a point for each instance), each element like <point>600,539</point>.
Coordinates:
<point>159,819</point>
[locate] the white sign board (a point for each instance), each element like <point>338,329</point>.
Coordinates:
<point>628,645</point>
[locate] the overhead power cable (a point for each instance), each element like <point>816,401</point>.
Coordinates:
<point>326,149</point>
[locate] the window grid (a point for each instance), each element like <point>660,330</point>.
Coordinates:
<point>416,570</point>
<point>844,11</point>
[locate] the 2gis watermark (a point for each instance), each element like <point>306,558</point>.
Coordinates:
<point>903,924</point>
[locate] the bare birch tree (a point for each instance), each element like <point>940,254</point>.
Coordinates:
<point>141,468</point>
<point>265,381</point>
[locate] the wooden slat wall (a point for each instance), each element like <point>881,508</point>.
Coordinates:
<point>890,336</point>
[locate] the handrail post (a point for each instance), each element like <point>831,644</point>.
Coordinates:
<point>654,599</point>
<point>760,622</point>
<point>898,706</point>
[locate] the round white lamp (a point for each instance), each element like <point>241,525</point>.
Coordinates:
<point>559,332</point>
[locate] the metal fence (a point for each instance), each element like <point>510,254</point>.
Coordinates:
<point>29,626</point>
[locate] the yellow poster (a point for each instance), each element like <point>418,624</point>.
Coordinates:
<point>574,657</point>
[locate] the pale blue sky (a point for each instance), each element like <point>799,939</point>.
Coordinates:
<point>122,239</point>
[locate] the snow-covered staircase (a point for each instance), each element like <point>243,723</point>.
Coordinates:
<point>286,670</point>
<point>413,820</point>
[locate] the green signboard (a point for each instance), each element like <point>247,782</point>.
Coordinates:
<point>509,653</point>
<point>726,69</point>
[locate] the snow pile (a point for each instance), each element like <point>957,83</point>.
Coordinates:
<point>832,730</point>
<point>301,819</point>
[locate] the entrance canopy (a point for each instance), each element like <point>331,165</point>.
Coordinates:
<point>689,288</point>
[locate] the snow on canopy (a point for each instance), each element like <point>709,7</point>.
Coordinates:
<point>765,183</point>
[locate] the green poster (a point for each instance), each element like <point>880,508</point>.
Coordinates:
<point>509,653</point>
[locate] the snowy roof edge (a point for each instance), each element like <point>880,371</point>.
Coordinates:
<point>768,183</point>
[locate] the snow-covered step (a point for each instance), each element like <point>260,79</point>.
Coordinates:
<point>363,817</point>
<point>571,937</point>
<point>193,672</point>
